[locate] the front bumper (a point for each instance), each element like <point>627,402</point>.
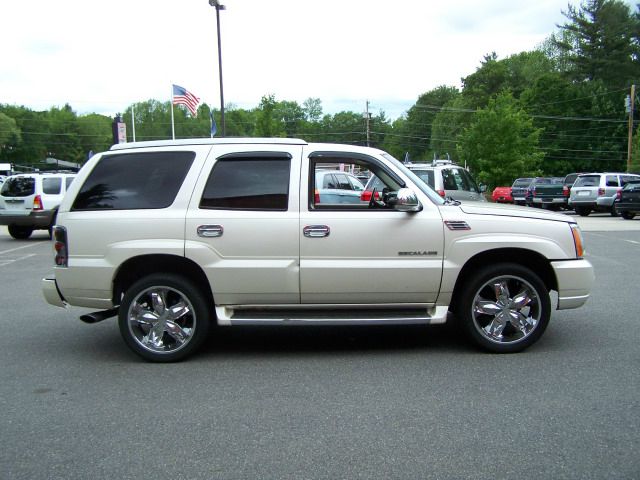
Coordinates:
<point>575,280</point>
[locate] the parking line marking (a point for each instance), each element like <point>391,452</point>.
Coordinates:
<point>635,242</point>
<point>24,246</point>
<point>4,263</point>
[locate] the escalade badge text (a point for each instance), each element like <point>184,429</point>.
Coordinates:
<point>418,253</point>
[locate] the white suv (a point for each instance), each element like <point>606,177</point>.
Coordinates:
<point>598,191</point>
<point>29,201</point>
<point>176,236</point>
<point>449,180</point>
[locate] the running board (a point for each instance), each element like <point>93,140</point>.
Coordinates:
<point>329,315</point>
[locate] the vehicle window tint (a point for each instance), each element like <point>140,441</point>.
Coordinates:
<point>426,176</point>
<point>18,187</point>
<point>343,181</point>
<point>448,181</point>
<point>471,184</point>
<point>612,181</point>
<point>248,184</point>
<point>329,181</point>
<point>68,182</point>
<point>587,181</point>
<point>134,181</point>
<point>356,184</point>
<point>52,185</point>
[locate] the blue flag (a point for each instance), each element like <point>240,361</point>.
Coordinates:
<point>214,129</point>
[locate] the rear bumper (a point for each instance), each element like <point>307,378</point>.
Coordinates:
<point>39,219</point>
<point>575,280</point>
<point>52,294</point>
<point>627,207</point>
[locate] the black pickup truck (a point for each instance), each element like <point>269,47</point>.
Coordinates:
<point>547,192</point>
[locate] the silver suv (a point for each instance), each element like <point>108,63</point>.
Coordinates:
<point>597,192</point>
<point>449,180</point>
<point>175,237</point>
<point>29,201</point>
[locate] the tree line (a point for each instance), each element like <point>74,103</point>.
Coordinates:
<point>554,110</point>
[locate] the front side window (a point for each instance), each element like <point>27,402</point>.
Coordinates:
<point>248,183</point>
<point>52,185</point>
<point>132,181</point>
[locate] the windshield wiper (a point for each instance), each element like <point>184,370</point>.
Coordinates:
<point>451,201</point>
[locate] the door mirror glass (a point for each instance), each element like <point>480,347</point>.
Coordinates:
<point>406,200</point>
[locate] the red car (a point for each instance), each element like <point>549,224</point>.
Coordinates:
<point>502,195</point>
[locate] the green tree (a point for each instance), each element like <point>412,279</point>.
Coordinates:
<point>501,144</point>
<point>600,42</point>
<point>10,136</point>
<point>267,122</point>
<point>95,133</point>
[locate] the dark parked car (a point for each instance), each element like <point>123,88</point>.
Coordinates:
<point>627,203</point>
<point>519,190</point>
<point>546,192</point>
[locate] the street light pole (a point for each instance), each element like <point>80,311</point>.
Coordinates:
<point>218,6</point>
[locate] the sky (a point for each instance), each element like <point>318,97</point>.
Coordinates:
<point>103,56</point>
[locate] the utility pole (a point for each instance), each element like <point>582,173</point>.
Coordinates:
<point>367,118</point>
<point>630,104</point>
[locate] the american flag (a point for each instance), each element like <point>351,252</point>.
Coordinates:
<point>181,96</point>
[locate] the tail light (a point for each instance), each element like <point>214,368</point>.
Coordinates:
<point>619,194</point>
<point>60,246</point>
<point>37,203</point>
<point>366,196</point>
<point>601,192</point>
<point>565,191</point>
<point>442,193</point>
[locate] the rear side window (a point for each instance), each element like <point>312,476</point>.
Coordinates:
<point>134,181</point>
<point>52,185</point>
<point>18,187</point>
<point>612,181</point>
<point>248,183</point>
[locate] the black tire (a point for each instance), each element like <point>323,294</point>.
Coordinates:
<point>516,303</point>
<point>19,232</point>
<point>583,211</point>
<point>174,338</point>
<point>628,215</point>
<point>613,211</point>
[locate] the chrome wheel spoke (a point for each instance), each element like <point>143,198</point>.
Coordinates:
<point>522,299</point>
<point>487,307</point>
<point>177,311</point>
<point>495,327</point>
<point>179,334</point>
<point>501,289</point>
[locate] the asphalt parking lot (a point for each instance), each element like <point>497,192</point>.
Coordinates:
<point>324,403</point>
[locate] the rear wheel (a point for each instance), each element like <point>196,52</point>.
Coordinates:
<point>20,232</point>
<point>504,308</point>
<point>628,215</point>
<point>583,211</point>
<point>613,211</point>
<point>164,317</point>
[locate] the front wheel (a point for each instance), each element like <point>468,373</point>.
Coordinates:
<point>504,308</point>
<point>164,317</point>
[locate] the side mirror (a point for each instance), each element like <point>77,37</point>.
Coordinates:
<point>406,201</point>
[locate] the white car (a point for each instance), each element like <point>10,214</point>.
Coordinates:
<point>29,201</point>
<point>174,236</point>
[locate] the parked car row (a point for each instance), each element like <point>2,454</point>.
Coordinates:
<point>582,192</point>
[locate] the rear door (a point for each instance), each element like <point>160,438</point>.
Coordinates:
<point>16,196</point>
<point>243,222</point>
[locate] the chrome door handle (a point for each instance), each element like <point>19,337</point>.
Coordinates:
<point>316,231</point>
<point>210,231</point>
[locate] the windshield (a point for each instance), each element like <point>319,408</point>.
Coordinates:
<point>18,187</point>
<point>424,187</point>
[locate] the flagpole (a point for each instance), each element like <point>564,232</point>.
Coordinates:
<point>173,129</point>
<point>133,121</point>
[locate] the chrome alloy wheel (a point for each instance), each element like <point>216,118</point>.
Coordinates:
<point>506,309</point>
<point>161,319</point>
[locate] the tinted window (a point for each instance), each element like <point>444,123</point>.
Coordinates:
<point>18,187</point>
<point>134,181</point>
<point>612,181</point>
<point>68,182</point>
<point>248,184</point>
<point>52,185</point>
<point>329,181</point>
<point>522,182</point>
<point>426,176</point>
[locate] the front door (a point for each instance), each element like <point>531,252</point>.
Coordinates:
<point>366,253</point>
